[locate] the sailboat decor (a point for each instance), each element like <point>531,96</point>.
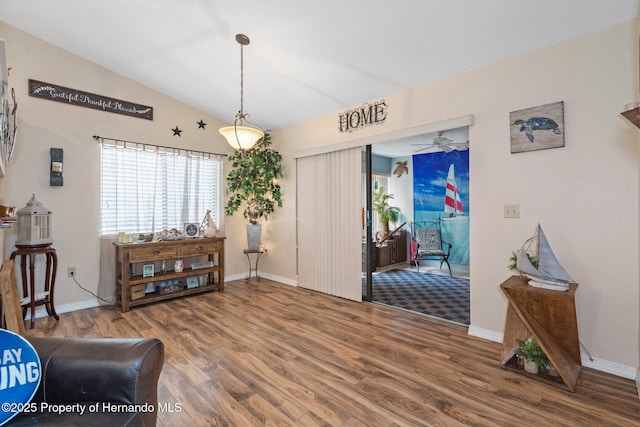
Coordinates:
<point>548,273</point>
<point>452,202</point>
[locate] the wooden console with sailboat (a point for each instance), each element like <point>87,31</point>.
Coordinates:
<point>537,309</point>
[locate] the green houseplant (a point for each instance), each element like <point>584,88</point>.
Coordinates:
<point>513,260</point>
<point>252,183</point>
<point>385,211</point>
<point>533,355</point>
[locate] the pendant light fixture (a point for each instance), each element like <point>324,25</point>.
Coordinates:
<point>243,135</point>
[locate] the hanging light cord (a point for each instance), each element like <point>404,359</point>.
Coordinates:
<point>241,112</point>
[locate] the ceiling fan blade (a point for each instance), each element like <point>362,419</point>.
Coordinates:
<point>424,148</point>
<point>441,140</point>
<point>447,148</point>
<point>459,145</point>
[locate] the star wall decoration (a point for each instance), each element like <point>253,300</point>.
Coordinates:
<point>176,131</point>
<point>201,124</point>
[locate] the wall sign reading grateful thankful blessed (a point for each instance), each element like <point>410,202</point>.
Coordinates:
<point>66,95</point>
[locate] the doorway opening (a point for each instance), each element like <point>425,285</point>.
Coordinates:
<point>426,178</point>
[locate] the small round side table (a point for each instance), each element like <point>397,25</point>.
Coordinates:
<point>28,282</point>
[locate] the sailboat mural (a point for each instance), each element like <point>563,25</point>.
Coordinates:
<point>452,203</point>
<point>441,193</point>
<point>548,273</point>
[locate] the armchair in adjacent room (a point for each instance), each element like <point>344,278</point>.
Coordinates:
<point>429,243</point>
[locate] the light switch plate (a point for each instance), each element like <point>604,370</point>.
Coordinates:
<point>512,211</point>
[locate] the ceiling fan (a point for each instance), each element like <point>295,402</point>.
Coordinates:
<point>445,144</point>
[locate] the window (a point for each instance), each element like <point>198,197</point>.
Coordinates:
<point>377,181</point>
<point>147,189</point>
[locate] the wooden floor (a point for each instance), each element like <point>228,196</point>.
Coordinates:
<point>271,354</point>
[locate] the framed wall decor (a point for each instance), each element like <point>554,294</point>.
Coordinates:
<point>147,270</point>
<point>537,128</point>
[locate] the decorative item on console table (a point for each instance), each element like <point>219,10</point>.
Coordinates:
<point>131,256</point>
<point>7,216</point>
<point>208,226</point>
<point>252,182</point>
<point>191,229</point>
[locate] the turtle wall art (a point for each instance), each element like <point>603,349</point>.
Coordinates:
<point>537,128</point>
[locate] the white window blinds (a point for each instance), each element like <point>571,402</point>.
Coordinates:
<point>146,189</point>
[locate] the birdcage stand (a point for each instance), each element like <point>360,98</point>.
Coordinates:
<point>30,299</point>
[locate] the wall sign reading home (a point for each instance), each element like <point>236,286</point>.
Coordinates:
<point>66,95</point>
<point>365,115</point>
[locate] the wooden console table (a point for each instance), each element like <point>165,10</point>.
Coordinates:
<point>550,317</point>
<point>131,286</point>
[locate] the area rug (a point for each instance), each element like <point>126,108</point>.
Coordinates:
<point>432,294</point>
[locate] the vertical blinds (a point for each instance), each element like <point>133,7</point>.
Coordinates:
<point>329,223</point>
<point>146,189</point>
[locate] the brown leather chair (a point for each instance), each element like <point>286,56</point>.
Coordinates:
<point>116,376</point>
<point>105,381</point>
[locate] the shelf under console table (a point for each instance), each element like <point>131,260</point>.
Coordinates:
<point>138,283</point>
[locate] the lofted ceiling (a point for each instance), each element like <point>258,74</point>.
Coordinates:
<point>306,58</point>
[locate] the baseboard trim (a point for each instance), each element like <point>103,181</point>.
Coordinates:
<point>80,305</point>
<point>65,308</point>
<point>486,334</point>
<point>602,365</point>
<point>610,367</point>
<point>272,277</point>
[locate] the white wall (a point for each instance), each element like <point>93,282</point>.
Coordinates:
<point>402,190</point>
<point>585,195</point>
<point>44,124</point>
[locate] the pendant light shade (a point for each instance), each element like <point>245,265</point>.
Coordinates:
<point>242,135</point>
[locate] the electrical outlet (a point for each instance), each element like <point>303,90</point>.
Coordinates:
<point>71,271</point>
<point>512,211</point>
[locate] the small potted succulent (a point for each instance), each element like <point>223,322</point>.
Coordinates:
<point>533,355</point>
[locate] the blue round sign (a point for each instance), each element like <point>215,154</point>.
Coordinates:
<point>20,373</point>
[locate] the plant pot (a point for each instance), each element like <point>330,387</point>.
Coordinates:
<point>531,367</point>
<point>254,234</point>
<point>552,371</point>
<point>383,231</point>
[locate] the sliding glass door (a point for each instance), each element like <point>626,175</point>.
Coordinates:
<point>368,245</point>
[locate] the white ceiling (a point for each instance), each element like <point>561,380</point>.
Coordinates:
<point>306,58</point>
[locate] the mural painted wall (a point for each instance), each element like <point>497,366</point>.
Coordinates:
<point>436,177</point>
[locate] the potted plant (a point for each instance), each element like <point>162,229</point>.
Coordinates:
<point>252,183</point>
<point>385,212</point>
<point>513,261</point>
<point>533,355</point>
